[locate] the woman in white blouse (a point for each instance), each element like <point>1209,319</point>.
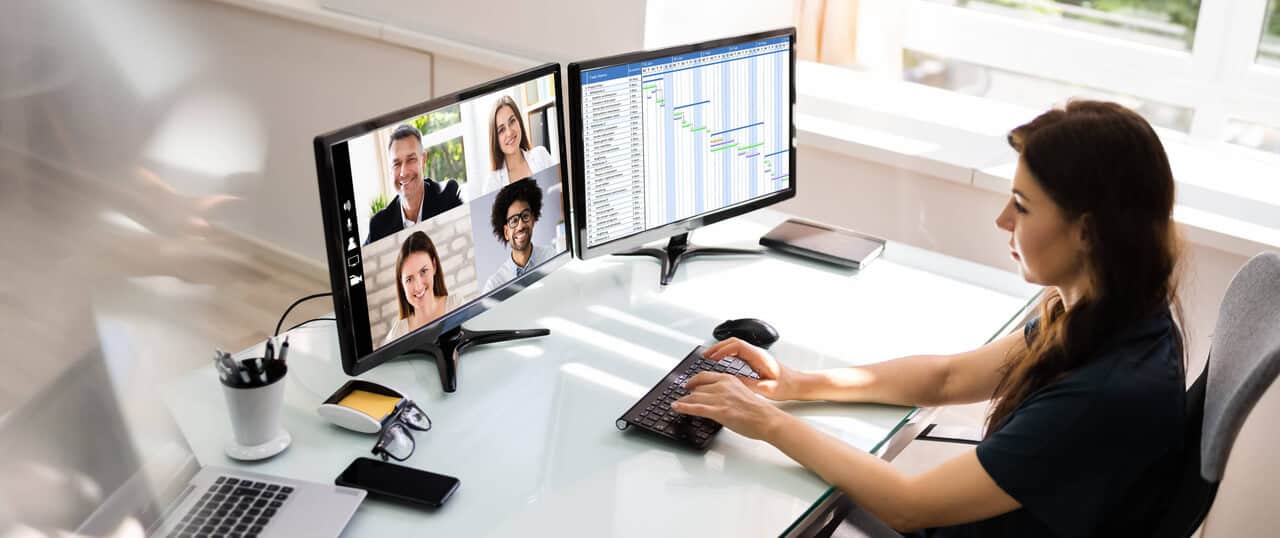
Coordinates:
<point>509,150</point>
<point>420,287</point>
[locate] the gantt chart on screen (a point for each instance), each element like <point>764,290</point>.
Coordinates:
<point>670,138</point>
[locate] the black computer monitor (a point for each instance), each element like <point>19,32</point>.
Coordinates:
<point>671,140</point>
<point>485,165</point>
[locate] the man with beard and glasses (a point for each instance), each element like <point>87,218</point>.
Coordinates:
<point>516,210</point>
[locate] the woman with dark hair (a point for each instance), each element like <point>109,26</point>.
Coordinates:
<point>511,154</point>
<point>1086,422</point>
<point>420,286</point>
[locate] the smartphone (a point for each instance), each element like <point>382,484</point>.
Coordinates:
<point>398,483</point>
<point>829,244</point>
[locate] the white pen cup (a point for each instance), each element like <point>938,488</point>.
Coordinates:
<point>255,415</point>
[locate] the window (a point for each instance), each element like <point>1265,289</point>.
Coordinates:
<point>1029,91</point>
<point>442,137</point>
<point>1164,23</point>
<point>1201,67</point>
<point>1253,136</point>
<point>1269,45</point>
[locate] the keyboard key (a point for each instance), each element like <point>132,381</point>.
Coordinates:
<point>255,529</point>
<point>220,480</point>
<point>255,512</point>
<point>275,504</point>
<point>269,512</point>
<point>288,489</point>
<point>273,487</point>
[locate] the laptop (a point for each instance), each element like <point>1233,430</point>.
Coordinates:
<point>226,502</point>
<point>78,458</point>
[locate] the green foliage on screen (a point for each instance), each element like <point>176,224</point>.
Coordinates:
<point>444,161</point>
<point>378,204</point>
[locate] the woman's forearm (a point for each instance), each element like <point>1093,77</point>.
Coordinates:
<point>870,482</point>
<point>915,381</point>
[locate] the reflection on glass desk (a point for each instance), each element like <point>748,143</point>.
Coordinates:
<point>531,431</point>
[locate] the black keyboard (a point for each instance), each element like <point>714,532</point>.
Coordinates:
<point>653,412</point>
<point>233,507</point>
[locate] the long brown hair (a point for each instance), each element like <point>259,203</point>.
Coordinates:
<point>495,151</point>
<point>1101,162</point>
<point>418,242</point>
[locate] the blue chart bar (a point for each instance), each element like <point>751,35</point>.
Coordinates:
<point>756,124</point>
<point>691,104</point>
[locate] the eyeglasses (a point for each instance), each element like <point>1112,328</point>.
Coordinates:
<point>523,216</point>
<point>395,440</point>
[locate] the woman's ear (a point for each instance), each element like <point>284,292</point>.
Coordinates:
<point>1083,231</point>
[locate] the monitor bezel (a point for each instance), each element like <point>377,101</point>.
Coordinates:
<point>692,222</point>
<point>355,343</point>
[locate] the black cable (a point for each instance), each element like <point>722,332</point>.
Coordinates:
<point>296,303</point>
<point>308,321</point>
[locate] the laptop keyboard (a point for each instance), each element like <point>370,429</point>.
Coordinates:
<point>233,507</point>
<point>653,412</point>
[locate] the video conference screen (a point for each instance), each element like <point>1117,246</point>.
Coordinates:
<point>450,205</point>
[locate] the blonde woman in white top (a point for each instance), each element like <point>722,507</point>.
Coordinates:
<point>420,287</point>
<point>510,152</point>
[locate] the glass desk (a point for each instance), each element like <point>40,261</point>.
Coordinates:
<point>531,432</point>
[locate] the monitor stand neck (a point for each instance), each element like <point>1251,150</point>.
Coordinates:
<point>452,343</point>
<point>678,249</point>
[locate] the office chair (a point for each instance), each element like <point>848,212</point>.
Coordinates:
<point>1243,362</point>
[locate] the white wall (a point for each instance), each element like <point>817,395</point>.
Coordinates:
<point>205,98</point>
<point>547,30</point>
<point>677,22</point>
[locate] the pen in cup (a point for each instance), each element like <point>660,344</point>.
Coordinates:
<point>284,349</point>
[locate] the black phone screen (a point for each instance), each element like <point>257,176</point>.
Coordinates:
<point>398,482</point>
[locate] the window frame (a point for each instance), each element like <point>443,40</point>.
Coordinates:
<point>1218,79</point>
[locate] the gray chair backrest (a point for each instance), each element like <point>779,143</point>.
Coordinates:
<point>1245,358</point>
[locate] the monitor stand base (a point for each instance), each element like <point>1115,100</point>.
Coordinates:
<point>452,343</point>
<point>678,250</point>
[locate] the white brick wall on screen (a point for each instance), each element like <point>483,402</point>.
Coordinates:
<point>451,234</point>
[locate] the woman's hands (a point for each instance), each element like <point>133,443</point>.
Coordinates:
<point>731,400</point>
<point>725,399</point>
<point>777,382</point>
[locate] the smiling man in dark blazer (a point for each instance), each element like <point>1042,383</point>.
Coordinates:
<point>417,198</point>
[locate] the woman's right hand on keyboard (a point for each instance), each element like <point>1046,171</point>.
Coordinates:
<point>777,382</point>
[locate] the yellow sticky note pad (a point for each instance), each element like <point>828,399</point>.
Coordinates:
<point>369,403</point>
